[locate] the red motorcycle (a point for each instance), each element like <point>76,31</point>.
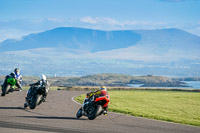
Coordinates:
<point>93,106</point>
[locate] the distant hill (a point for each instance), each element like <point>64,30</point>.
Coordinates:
<point>73,38</point>
<point>70,51</point>
<point>145,45</point>
<point>159,45</point>
<point>107,79</point>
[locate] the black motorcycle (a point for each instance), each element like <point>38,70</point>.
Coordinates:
<point>35,96</point>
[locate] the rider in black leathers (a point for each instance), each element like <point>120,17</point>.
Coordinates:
<point>41,83</point>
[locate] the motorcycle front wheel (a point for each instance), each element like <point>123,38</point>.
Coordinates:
<point>79,113</point>
<point>34,101</point>
<point>5,90</point>
<point>97,111</point>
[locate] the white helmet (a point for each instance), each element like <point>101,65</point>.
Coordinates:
<point>43,77</point>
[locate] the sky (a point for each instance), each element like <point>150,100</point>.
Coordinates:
<point>22,17</point>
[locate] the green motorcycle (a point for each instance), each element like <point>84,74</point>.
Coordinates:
<point>9,86</point>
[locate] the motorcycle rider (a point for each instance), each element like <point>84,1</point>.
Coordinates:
<point>17,76</point>
<point>99,93</point>
<point>41,83</point>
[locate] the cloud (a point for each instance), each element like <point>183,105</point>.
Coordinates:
<point>113,22</point>
<point>96,20</point>
<point>88,20</point>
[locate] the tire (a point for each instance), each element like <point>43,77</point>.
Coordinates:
<point>5,90</point>
<point>35,102</point>
<point>79,113</point>
<point>95,113</point>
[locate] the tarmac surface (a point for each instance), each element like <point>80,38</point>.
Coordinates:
<point>58,113</point>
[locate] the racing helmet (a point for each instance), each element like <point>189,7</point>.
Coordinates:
<point>43,77</point>
<point>103,88</point>
<point>16,71</point>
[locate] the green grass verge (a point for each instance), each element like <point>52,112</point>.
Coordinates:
<point>179,107</point>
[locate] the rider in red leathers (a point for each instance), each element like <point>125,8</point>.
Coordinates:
<point>101,93</point>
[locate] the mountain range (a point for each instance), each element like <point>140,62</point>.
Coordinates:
<point>74,38</point>
<point>70,51</point>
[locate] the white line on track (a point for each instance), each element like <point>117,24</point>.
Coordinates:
<point>75,101</point>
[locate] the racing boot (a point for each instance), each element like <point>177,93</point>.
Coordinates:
<point>19,86</point>
<point>105,112</point>
<point>44,97</point>
<point>25,105</point>
<point>20,89</point>
<point>12,89</point>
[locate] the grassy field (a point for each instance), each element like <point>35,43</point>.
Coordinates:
<point>179,107</point>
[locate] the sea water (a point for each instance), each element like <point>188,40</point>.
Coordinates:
<point>194,84</point>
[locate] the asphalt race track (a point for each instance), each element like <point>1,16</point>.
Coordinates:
<point>57,114</point>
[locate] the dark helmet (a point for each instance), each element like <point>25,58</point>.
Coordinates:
<point>16,70</point>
